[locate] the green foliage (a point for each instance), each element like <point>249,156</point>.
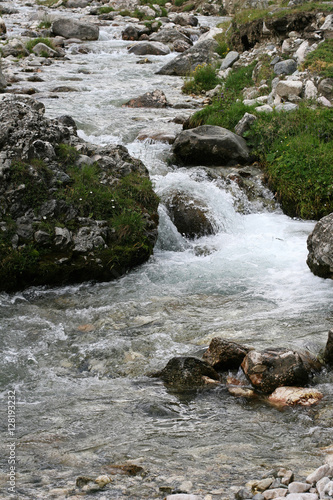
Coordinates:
<point>161,3</point>
<point>179,3</point>
<point>296,151</point>
<point>31,43</point>
<point>44,25</point>
<point>66,154</point>
<point>105,9</point>
<point>321,59</point>
<point>243,16</point>
<point>188,7</point>
<point>35,192</point>
<point>203,78</point>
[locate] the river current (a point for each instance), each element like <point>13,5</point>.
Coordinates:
<point>78,356</point>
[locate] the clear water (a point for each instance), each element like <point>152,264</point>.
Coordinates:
<point>78,356</point>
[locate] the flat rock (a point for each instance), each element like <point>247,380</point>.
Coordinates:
<point>149,48</point>
<point>70,28</point>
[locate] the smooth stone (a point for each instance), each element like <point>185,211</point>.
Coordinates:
<point>297,487</point>
<point>318,474</point>
<point>229,59</point>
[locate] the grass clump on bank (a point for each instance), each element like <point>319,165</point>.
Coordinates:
<point>295,149</point>
<point>203,78</point>
<point>33,42</point>
<point>320,60</point>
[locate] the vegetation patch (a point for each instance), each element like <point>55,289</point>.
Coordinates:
<point>203,78</point>
<point>105,9</point>
<point>34,41</point>
<point>295,149</point>
<point>321,59</point>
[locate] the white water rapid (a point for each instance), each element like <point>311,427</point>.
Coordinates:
<point>78,356</point>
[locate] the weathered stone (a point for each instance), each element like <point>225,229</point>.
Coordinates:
<point>274,368</point>
<point>187,373</point>
<point>286,67</point>
<point>310,90</point>
<point>286,88</point>
<point>210,145</point>
<point>328,23</point>
<point>201,53</point>
<point>321,484</point>
<point>302,496</point>
<point>318,474</point>
<point>298,487</point>
<point>170,36</point>
<point>324,102</point>
<point>41,49</point>
<point>149,48</point>
<point>185,20</point>
<point>77,4</point>
<point>181,45</point>
<point>229,60</point>
<point>266,108</point>
<point>328,353</point>
<point>245,124</point>
<point>3,82</point>
<point>325,87</point>
<point>15,47</point>
<point>155,99</point>
<point>189,216</point>
<point>276,493</point>
<point>286,106</point>
<point>320,247</point>
<point>224,354</point>
<point>70,28</point>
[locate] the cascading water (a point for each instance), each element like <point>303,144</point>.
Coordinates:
<point>78,356</point>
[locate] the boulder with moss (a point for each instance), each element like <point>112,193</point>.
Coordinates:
<point>70,211</point>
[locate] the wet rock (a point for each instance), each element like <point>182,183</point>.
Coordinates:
<point>285,67</point>
<point>190,216</point>
<point>201,53</point>
<point>295,396</point>
<point>149,48</point>
<point>70,28</point>
<point>320,248</point>
<point>180,45</point>
<point>155,99</point>
<point>168,136</point>
<point>210,145</point>
<point>223,354</point>
<point>187,373</point>
<point>134,32</point>
<point>328,353</point>
<point>274,368</point>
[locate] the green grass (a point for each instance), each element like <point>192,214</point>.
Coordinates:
<point>31,43</point>
<point>105,10</point>
<point>321,59</point>
<point>296,151</point>
<point>203,78</point>
<point>44,25</point>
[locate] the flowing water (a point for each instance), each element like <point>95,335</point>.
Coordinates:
<point>78,356</point>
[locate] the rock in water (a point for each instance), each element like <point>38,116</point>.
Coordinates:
<point>320,247</point>
<point>184,373</point>
<point>274,368</point>
<point>53,229</point>
<point>328,354</point>
<point>210,145</point>
<point>295,396</point>
<point>155,99</point>
<point>69,28</point>
<point>224,355</point>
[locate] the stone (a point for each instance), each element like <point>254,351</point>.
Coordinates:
<point>286,88</point>
<point>310,90</point>
<point>3,81</point>
<point>302,496</point>
<point>325,87</point>
<point>223,354</point>
<point>286,67</point>
<point>180,45</point>
<point>229,60</point>
<point>185,20</point>
<point>287,476</point>
<point>328,23</point>
<point>155,99</point>
<point>276,493</point>
<point>272,368</point>
<point>295,396</point>
<point>210,145</point>
<point>286,106</point>
<point>190,216</point>
<point>320,248</point>
<point>149,48</point>
<point>184,373</point>
<point>298,487</point>
<point>324,102</point>
<point>170,36</point>
<point>184,496</point>
<point>201,53</point>
<point>77,4</point>
<point>245,124</point>
<point>302,51</point>
<point>318,474</point>
<point>15,47</point>
<point>264,484</point>
<point>70,28</point>
<point>266,108</point>
<point>321,484</point>
<point>328,353</point>
<point>328,490</point>
<point>41,49</point>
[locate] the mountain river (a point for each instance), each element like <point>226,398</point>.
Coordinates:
<point>77,357</point>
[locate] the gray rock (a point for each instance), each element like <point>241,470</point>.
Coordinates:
<point>201,53</point>
<point>245,124</point>
<point>266,108</point>
<point>328,23</point>
<point>286,67</point>
<point>297,487</point>
<point>286,106</point>
<point>15,47</point>
<point>155,99</point>
<point>229,60</point>
<point>325,87</point>
<point>41,49</point>
<point>286,88</point>
<point>170,36</point>
<point>328,490</point>
<point>321,485</point>
<point>187,373</point>
<point>42,238</point>
<point>69,28</point>
<point>319,473</point>
<point>77,4</point>
<point>149,48</point>
<point>3,82</point>
<point>320,247</point>
<point>62,238</point>
<point>276,493</point>
<point>185,20</point>
<point>210,145</point>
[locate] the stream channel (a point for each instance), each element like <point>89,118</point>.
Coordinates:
<point>77,356</point>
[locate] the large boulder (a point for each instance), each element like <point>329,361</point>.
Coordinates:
<point>210,145</point>
<point>70,211</point>
<point>155,99</point>
<point>184,373</point>
<point>320,247</point>
<point>201,53</point>
<point>149,48</point>
<point>189,216</point>
<point>70,28</point>
<point>224,354</point>
<point>170,36</point>
<point>274,368</point>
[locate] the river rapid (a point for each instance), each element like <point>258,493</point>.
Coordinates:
<point>77,357</point>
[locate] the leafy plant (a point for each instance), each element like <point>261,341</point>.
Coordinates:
<point>32,43</point>
<point>203,78</point>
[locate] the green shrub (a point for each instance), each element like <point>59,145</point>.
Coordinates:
<point>296,151</point>
<point>105,10</point>
<point>31,43</point>
<point>44,25</point>
<point>203,78</point>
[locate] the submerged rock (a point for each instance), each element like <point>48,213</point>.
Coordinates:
<point>186,373</point>
<point>69,211</point>
<point>320,247</point>
<point>210,145</point>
